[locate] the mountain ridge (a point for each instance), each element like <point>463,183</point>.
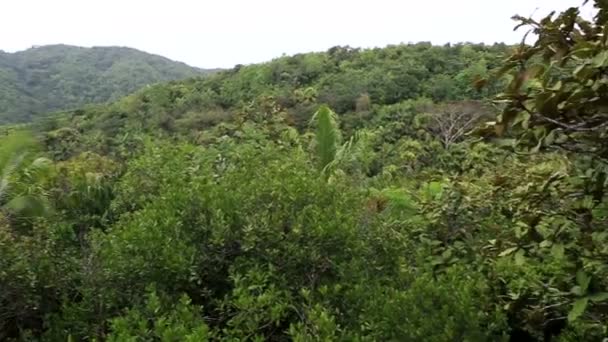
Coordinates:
<point>54,77</point>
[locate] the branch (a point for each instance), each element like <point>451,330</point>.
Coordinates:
<point>573,128</point>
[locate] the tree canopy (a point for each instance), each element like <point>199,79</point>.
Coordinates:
<point>349,195</point>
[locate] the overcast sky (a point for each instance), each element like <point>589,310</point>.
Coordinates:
<point>222,33</point>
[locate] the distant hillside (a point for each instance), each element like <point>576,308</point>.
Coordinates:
<point>365,87</point>
<point>56,77</point>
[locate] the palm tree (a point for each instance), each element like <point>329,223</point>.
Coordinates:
<point>331,153</point>
<point>327,137</point>
<point>306,95</point>
<point>20,191</point>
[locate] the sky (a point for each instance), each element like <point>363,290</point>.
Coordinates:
<point>223,33</point>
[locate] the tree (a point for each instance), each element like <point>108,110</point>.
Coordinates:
<point>306,95</point>
<point>558,98</point>
<point>452,121</point>
<point>363,103</point>
<point>20,192</point>
<point>558,94</point>
<point>327,136</point>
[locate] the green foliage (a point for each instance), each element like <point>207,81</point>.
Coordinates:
<point>327,136</point>
<point>210,209</point>
<point>22,195</point>
<point>460,303</point>
<point>159,320</point>
<point>557,86</point>
<point>356,84</point>
<point>556,99</point>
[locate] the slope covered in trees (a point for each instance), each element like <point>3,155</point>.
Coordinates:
<point>239,207</point>
<point>54,77</point>
<point>357,84</point>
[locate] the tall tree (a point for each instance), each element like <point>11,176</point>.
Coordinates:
<point>559,84</point>
<point>450,122</point>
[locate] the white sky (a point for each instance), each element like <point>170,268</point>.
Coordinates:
<point>222,33</point>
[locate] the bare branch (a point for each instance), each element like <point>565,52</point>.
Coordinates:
<point>451,122</point>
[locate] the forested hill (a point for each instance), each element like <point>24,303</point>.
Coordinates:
<point>54,77</point>
<point>347,195</point>
<point>361,85</point>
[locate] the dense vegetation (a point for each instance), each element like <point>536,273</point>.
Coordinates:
<point>352,195</point>
<point>365,87</point>
<point>55,77</point>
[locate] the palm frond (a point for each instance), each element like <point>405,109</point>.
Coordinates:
<point>327,136</point>
<point>13,150</point>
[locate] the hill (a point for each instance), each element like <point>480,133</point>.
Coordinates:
<point>359,84</point>
<point>56,77</point>
<point>241,207</point>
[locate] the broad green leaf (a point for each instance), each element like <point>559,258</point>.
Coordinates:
<point>27,206</point>
<point>508,251</point>
<point>599,297</point>
<point>327,136</point>
<point>600,60</point>
<point>557,250</point>
<point>520,257</point>
<point>557,86</point>
<point>576,290</point>
<point>578,308</point>
<point>435,189</point>
<point>582,279</point>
